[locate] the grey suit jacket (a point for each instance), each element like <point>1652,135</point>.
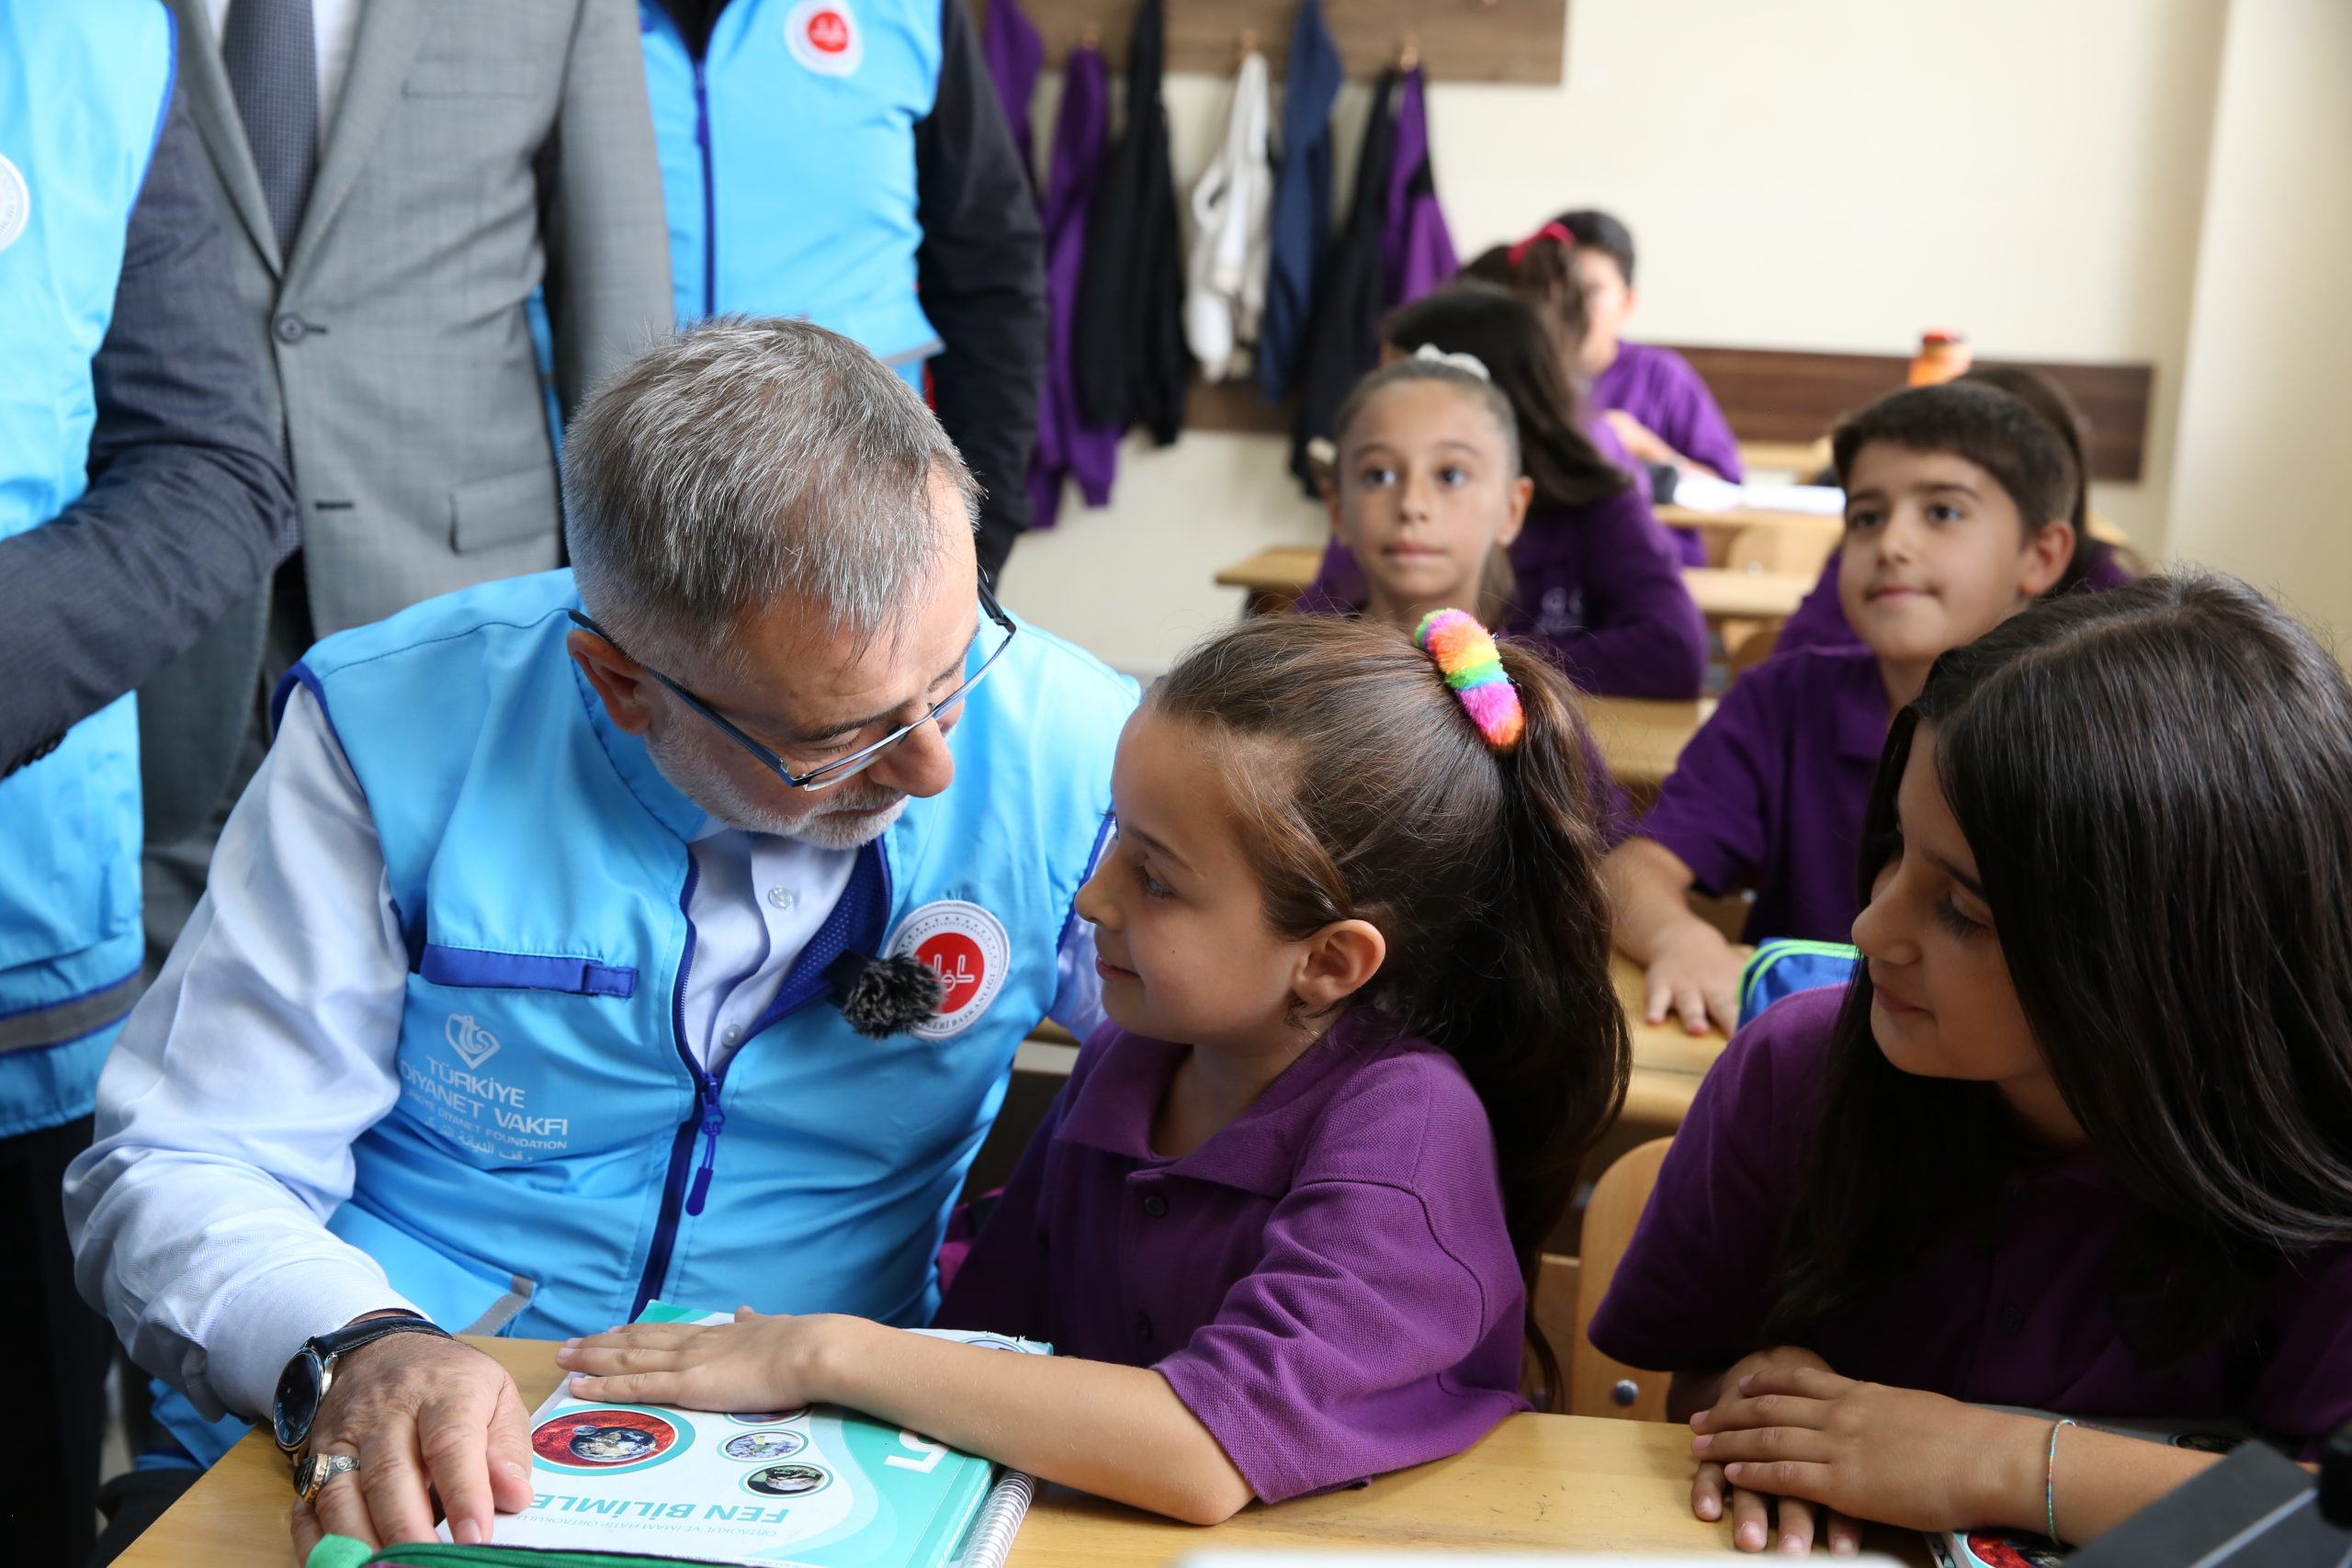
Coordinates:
<point>476,150</point>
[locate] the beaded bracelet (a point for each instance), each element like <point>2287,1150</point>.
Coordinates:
<point>2050,1480</point>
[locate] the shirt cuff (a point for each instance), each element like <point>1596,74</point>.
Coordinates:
<point>257,1331</point>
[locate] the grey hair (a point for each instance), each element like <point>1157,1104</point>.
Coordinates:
<point>740,461</point>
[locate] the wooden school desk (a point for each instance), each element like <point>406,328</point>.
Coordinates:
<point>1557,1483</point>
<point>1728,593</point>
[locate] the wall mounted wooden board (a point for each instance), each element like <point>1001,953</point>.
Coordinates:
<point>1780,395</point>
<point>1459,40</point>
<point>1771,394</point>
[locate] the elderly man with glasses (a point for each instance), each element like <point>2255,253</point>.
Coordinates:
<point>527,985</point>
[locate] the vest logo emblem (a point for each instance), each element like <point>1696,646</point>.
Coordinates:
<point>16,202</point>
<point>824,36</point>
<point>966,946</point>
<point>472,1043</point>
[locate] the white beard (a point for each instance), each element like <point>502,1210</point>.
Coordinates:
<point>827,828</point>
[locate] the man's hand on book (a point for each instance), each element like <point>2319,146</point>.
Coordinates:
<point>418,1412</point>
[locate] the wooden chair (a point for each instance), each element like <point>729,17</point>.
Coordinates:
<point>1568,1292</point>
<point>1801,549</point>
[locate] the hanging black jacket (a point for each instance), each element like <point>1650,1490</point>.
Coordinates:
<point>1128,347</point>
<point>1343,335</point>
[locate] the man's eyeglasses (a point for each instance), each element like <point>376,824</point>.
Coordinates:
<point>991,644</point>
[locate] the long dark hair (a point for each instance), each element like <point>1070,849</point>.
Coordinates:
<point>1506,335</point>
<point>1366,793</point>
<point>2157,783</point>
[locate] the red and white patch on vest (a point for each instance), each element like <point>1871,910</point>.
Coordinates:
<point>967,947</point>
<point>823,34</point>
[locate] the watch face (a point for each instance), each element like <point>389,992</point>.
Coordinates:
<point>297,1399</point>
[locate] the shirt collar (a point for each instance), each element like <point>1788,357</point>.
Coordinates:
<point>1258,1151</point>
<point>669,805</point>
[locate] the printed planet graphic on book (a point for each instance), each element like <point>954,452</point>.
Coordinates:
<point>817,1487</point>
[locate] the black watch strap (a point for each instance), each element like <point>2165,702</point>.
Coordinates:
<point>351,1335</point>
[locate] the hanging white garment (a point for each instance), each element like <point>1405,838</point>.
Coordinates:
<point>1232,210</point>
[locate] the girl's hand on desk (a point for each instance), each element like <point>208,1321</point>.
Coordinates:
<point>1752,1509</point>
<point>1694,975</point>
<point>1868,1451</point>
<point>756,1362</point>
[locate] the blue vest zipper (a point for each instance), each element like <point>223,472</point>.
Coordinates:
<point>709,197</point>
<point>707,1120</point>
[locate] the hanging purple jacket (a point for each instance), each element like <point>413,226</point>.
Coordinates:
<point>1598,589</point>
<point>1417,250</point>
<point>1067,445</point>
<point>1820,620</point>
<point>1014,52</point>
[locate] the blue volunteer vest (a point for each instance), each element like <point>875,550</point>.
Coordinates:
<point>789,163</point>
<point>556,1157</point>
<point>83,91</point>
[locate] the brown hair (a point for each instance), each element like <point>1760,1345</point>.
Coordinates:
<point>2049,402</point>
<point>1995,430</point>
<point>1541,277</point>
<point>1365,791</point>
<point>1504,333</point>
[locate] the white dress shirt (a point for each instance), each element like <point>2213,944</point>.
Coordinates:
<point>229,1107</point>
<point>334,23</point>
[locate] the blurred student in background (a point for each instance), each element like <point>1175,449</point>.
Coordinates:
<point>1561,551</point>
<point>1650,396</point>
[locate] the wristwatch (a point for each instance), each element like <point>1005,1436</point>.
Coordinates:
<point>302,1386</point>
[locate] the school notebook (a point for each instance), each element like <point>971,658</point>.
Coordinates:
<point>817,1487</point>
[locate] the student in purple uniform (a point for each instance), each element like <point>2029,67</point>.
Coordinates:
<point>1650,396</point>
<point>2079,1135</point>
<point>1956,504</point>
<point>2097,566</point>
<point>1540,269</point>
<point>1453,488</point>
<point>1281,1221</point>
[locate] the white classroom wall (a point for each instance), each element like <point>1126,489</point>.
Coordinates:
<point>2259,484</point>
<point>1805,174</point>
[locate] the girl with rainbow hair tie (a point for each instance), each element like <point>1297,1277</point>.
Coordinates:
<point>1282,1220</point>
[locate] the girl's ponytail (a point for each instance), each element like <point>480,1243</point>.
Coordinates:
<point>1447,793</point>
<point>1547,1046</point>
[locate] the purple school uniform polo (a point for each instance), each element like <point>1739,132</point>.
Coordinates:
<point>1325,1283</point>
<point>1770,795</point>
<point>2018,1315</point>
<point>1658,387</point>
<point>1820,620</point>
<point>1598,591</point>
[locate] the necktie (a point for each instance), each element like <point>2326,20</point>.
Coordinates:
<point>273,66</point>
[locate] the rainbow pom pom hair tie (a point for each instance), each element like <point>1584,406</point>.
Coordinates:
<point>1467,656</point>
